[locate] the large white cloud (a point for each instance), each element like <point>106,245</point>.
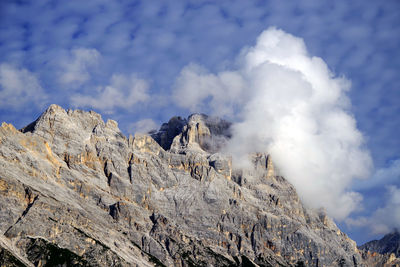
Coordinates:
<point>19,88</point>
<point>291,105</point>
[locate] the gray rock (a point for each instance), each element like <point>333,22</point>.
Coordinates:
<point>383,252</point>
<point>390,243</point>
<point>200,134</point>
<point>168,131</point>
<point>73,185</point>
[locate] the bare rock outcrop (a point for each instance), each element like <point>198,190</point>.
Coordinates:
<point>383,252</point>
<point>390,243</point>
<point>74,185</point>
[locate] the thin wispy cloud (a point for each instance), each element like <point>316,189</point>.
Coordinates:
<point>195,84</point>
<point>75,66</point>
<point>387,218</point>
<point>19,88</point>
<point>384,194</point>
<point>123,92</point>
<point>143,126</point>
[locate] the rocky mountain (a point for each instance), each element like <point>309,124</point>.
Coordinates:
<point>383,252</point>
<point>390,243</point>
<point>74,191</point>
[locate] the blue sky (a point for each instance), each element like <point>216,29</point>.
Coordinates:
<point>123,58</point>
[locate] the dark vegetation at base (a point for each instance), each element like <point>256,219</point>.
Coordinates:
<point>300,264</point>
<point>221,260</point>
<point>246,262</point>
<point>7,259</point>
<point>49,254</point>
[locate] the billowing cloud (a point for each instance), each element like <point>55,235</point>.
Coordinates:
<point>143,126</point>
<point>290,105</point>
<point>19,88</point>
<point>123,92</point>
<point>75,67</point>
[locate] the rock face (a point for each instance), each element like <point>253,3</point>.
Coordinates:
<point>75,191</point>
<point>383,252</point>
<point>390,243</point>
<point>199,133</point>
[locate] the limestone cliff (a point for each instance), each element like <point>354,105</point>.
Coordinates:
<point>74,191</point>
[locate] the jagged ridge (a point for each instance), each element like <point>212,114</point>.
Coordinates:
<point>383,252</point>
<point>390,243</point>
<point>73,182</point>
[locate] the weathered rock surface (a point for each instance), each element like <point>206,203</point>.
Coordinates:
<point>200,133</point>
<point>75,191</point>
<point>381,260</point>
<point>383,252</point>
<point>390,243</point>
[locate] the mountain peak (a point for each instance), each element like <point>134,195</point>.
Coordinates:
<point>167,132</point>
<point>71,184</point>
<point>57,117</point>
<point>390,243</point>
<point>61,127</point>
<point>197,133</point>
<point>382,252</point>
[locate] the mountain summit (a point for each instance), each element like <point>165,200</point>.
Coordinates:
<point>76,192</point>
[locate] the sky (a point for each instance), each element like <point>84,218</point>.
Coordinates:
<point>315,83</point>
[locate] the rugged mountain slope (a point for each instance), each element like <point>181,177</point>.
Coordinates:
<point>390,243</point>
<point>74,190</point>
<point>383,252</point>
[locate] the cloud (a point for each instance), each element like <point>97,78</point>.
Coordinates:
<point>382,196</point>
<point>19,88</point>
<point>124,92</point>
<point>143,126</point>
<point>75,67</point>
<point>225,89</point>
<point>387,218</point>
<point>157,39</point>
<point>289,104</point>
<point>383,176</point>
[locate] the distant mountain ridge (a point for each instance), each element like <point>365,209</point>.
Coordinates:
<point>74,191</point>
<point>390,243</point>
<point>382,252</point>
